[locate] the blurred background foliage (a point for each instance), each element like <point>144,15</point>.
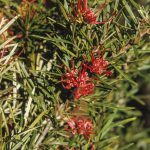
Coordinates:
<point>37,38</point>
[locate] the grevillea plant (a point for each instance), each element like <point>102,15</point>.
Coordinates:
<point>79,78</point>
<point>76,77</point>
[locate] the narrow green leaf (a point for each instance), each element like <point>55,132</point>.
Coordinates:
<point>38,119</point>
<point>127,147</point>
<point>108,126</point>
<point>63,10</point>
<point>51,39</point>
<point>125,76</point>
<point>120,123</point>
<point>128,8</point>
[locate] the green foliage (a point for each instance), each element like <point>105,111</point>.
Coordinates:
<point>34,106</point>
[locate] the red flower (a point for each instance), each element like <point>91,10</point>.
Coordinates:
<point>69,79</point>
<point>99,65</point>
<point>84,13</point>
<point>84,90</point>
<point>79,80</point>
<point>85,86</point>
<point>81,126</point>
<point>108,73</point>
<point>82,78</point>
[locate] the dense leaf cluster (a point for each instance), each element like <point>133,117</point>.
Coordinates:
<point>38,41</point>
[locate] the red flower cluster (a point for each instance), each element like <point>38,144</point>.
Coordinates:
<point>69,79</point>
<point>99,65</point>
<point>84,13</point>
<point>80,79</point>
<point>81,126</point>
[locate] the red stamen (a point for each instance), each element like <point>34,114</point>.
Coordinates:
<point>79,7</point>
<point>85,5</point>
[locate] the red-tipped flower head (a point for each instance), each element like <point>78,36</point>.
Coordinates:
<point>81,126</point>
